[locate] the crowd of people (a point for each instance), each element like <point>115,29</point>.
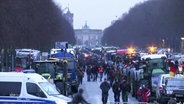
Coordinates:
<point>98,68</point>
<point>120,85</point>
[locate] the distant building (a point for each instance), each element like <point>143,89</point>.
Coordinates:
<point>87,36</point>
<point>68,16</point>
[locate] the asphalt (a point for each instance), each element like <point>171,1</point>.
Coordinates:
<point>92,93</point>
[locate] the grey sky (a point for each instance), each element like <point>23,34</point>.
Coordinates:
<point>98,13</point>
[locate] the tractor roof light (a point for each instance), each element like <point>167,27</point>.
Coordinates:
<point>152,49</point>
<point>131,50</point>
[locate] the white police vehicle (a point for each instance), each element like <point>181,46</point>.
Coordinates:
<point>28,88</point>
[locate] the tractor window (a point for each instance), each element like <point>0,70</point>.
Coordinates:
<point>156,63</point>
<point>42,69</point>
<point>70,65</point>
<point>22,62</point>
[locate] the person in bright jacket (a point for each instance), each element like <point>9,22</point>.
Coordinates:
<point>18,69</point>
<point>100,70</point>
<point>143,94</point>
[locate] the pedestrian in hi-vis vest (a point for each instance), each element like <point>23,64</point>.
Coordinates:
<point>101,70</point>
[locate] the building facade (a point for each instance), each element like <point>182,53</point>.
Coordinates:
<point>87,36</point>
<point>84,36</point>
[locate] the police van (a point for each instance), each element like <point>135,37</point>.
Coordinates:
<point>28,88</point>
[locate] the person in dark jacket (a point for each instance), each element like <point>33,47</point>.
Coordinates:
<point>105,86</point>
<point>116,89</point>
<point>88,73</point>
<point>111,76</point>
<point>80,75</point>
<point>95,72</point>
<point>125,89</point>
<point>78,98</point>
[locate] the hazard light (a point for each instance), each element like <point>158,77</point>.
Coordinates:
<point>152,49</point>
<point>131,50</point>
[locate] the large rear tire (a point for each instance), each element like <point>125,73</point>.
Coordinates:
<point>60,87</point>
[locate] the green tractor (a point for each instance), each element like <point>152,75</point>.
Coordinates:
<point>60,72</point>
<point>150,68</point>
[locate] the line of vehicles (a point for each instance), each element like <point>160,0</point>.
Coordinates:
<point>60,67</point>
<point>61,64</point>
<point>153,71</point>
<point>35,75</point>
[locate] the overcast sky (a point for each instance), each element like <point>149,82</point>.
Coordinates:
<point>97,13</point>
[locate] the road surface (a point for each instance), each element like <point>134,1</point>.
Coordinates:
<point>92,93</point>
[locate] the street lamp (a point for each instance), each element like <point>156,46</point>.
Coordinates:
<point>182,43</point>
<point>65,77</point>
<point>163,43</point>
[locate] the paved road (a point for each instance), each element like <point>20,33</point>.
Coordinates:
<point>92,93</point>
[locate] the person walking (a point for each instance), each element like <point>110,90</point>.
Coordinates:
<point>105,86</point>
<point>95,72</point>
<point>101,70</point>
<point>125,89</point>
<point>111,77</point>
<point>116,89</point>
<point>80,75</point>
<point>117,74</point>
<point>78,98</point>
<point>88,71</point>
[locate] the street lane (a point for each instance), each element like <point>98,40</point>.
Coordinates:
<point>92,92</point>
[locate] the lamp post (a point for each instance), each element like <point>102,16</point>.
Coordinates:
<point>163,43</point>
<point>65,71</point>
<point>65,77</point>
<point>182,43</point>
